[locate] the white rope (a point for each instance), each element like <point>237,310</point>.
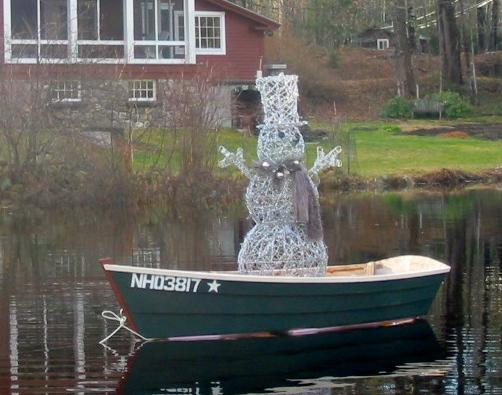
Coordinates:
<point>121,319</point>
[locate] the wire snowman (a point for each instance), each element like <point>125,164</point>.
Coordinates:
<point>282,196</point>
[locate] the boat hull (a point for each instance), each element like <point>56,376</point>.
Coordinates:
<point>160,305</point>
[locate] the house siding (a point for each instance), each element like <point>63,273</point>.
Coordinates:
<point>245,46</point>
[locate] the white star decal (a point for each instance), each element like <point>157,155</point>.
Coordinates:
<point>213,286</point>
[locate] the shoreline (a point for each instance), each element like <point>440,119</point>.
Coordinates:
<point>438,179</point>
<point>227,190</point>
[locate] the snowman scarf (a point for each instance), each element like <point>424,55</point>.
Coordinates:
<point>306,204</point>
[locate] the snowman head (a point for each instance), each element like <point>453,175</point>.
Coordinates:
<point>280,138</point>
<point>278,144</point>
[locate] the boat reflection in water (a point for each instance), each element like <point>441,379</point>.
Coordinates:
<point>247,365</point>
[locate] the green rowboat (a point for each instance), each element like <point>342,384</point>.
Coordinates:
<point>161,303</point>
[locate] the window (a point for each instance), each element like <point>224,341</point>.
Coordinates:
<point>382,43</point>
<point>65,91</point>
<point>100,29</point>
<point>210,33</point>
<point>100,20</point>
<point>159,31</point>
<point>53,19</point>
<point>39,29</point>
<point>24,19</point>
<point>142,90</point>
<point>109,31</point>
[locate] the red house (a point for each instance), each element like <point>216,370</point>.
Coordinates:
<point>140,43</point>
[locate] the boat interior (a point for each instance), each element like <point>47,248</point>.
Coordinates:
<point>396,265</point>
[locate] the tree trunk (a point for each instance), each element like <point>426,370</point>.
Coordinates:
<point>481,14</point>
<point>450,43</point>
<point>464,37</point>
<point>412,36</point>
<point>495,23</point>
<point>404,67</point>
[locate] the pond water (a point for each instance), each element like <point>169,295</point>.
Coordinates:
<point>52,292</point>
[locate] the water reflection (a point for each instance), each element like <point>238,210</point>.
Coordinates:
<point>52,291</point>
<point>253,365</point>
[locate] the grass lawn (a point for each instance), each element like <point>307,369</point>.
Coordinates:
<point>381,148</point>
<point>382,152</point>
<point>378,148</point>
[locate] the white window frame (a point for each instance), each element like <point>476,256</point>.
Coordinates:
<point>383,44</point>
<point>177,15</point>
<point>135,88</point>
<point>99,41</point>
<point>188,43</point>
<point>63,86</point>
<point>9,41</point>
<point>73,42</point>
<point>223,37</point>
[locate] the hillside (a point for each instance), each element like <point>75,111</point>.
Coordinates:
<point>359,81</point>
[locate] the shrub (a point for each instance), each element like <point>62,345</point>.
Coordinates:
<point>334,58</point>
<point>454,105</point>
<point>398,107</point>
<point>391,129</point>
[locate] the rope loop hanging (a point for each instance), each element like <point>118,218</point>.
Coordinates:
<point>121,319</point>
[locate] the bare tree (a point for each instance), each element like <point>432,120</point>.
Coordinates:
<point>188,117</point>
<point>27,129</point>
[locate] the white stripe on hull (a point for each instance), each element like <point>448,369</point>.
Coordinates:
<point>397,268</point>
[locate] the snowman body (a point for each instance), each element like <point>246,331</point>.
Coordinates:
<point>279,243</point>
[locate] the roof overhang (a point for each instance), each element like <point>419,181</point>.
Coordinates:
<point>262,22</point>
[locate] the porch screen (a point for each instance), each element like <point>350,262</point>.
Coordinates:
<point>24,19</point>
<point>159,29</point>
<point>100,29</point>
<point>39,29</point>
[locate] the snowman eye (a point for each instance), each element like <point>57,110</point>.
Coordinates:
<point>297,139</point>
<point>281,135</point>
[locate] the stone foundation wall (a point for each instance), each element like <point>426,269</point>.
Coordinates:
<point>105,106</point>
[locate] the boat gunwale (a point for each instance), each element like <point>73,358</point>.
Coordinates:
<point>440,268</point>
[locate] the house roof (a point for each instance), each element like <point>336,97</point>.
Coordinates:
<point>387,30</point>
<point>261,20</point>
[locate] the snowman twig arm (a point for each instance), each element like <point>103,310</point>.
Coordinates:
<point>236,159</point>
<point>326,161</point>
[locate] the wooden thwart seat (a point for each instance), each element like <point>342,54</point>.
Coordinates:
<point>360,269</point>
